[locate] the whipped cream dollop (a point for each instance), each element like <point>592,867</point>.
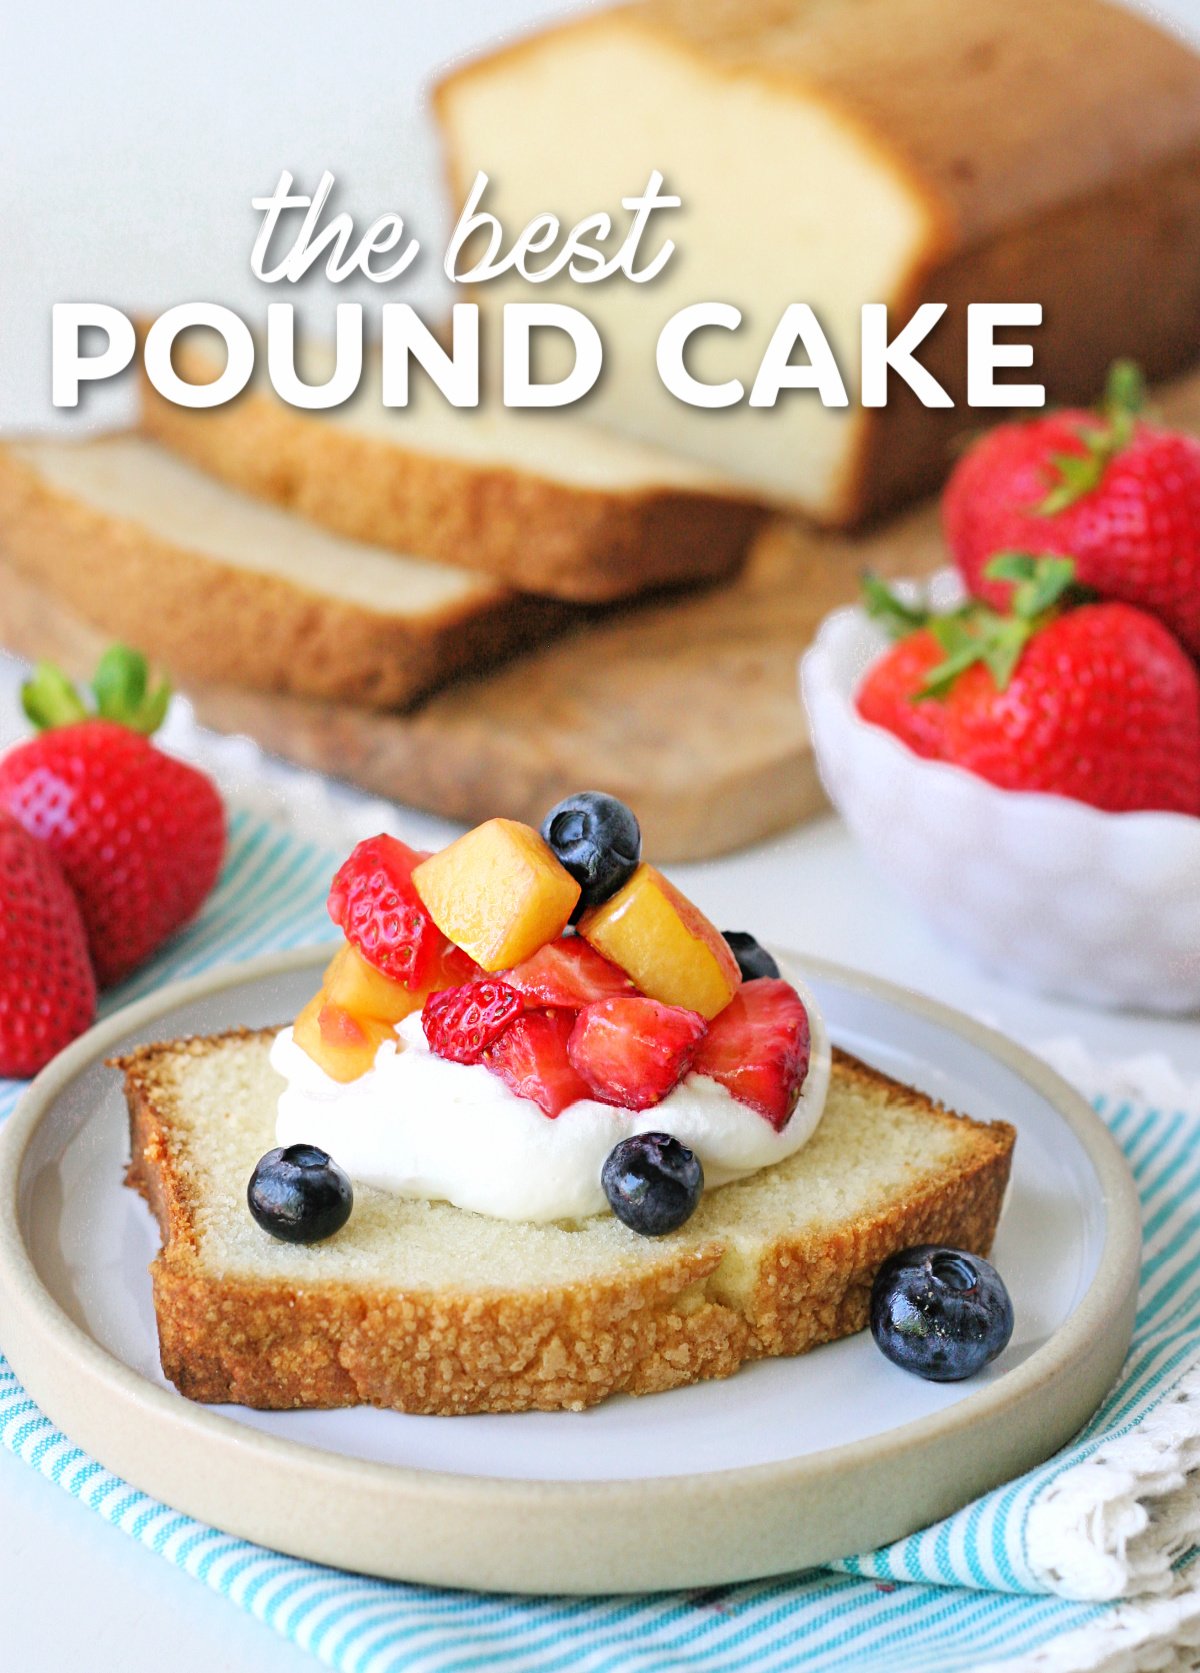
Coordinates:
<point>421,1126</point>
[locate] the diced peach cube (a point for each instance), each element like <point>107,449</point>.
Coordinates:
<point>355,986</point>
<point>498,892</point>
<point>664,943</point>
<point>342,1045</point>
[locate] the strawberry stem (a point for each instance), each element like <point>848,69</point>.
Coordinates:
<point>1124,394</point>
<point>121,687</point>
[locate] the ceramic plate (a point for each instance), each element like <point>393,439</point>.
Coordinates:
<point>787,1464</point>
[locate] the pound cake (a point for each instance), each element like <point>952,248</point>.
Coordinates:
<point>425,1307</point>
<point>216,585</point>
<point>499,1163</point>
<point>544,502</point>
<point>894,151</point>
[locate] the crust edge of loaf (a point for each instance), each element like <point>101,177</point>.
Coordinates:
<point>672,1322</point>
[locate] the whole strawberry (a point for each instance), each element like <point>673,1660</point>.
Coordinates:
<point>47,989</point>
<point>891,691</point>
<point>1097,702</point>
<point>1119,495</point>
<point>139,835</point>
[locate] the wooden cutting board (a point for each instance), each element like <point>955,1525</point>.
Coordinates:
<point>686,707</point>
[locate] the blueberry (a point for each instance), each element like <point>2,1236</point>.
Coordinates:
<point>753,960</point>
<point>299,1194</point>
<point>599,842</point>
<point>940,1312</point>
<point>652,1182</point>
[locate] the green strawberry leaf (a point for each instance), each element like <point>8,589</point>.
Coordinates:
<point>1079,474</point>
<point>1042,583</point>
<point>1002,650</point>
<point>886,607</point>
<point>121,687</point>
<point>940,680</point>
<point>153,711</point>
<point>49,699</point>
<point>123,694</point>
<point>959,636</point>
<point>953,632</point>
<point>1042,580</point>
<point>120,681</point>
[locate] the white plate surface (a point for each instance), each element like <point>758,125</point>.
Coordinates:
<point>89,1240</point>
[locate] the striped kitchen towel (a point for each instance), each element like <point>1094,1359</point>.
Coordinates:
<point>1087,1562</point>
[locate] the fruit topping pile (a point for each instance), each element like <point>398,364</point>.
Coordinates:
<point>563,963</point>
<point>641,993</point>
<point>108,846</point>
<point>1070,669</point>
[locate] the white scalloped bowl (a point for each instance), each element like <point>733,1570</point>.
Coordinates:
<point>1044,891</point>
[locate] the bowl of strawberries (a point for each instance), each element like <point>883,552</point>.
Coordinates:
<point>1017,745</point>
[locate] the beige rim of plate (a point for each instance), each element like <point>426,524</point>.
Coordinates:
<point>562,1536</point>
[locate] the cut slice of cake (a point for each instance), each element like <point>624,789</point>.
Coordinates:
<point>545,502</point>
<point>886,151</point>
<point>217,585</point>
<point>423,1307</point>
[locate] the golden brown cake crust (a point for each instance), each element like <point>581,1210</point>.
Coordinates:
<point>665,1322</point>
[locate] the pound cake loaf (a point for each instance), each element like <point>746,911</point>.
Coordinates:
<point>544,502</point>
<point>219,586</point>
<point>896,151</point>
<point>424,1307</point>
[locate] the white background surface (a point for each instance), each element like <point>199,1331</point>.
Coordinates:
<point>131,139</point>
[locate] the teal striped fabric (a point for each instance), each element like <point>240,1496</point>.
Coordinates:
<point>961,1595</point>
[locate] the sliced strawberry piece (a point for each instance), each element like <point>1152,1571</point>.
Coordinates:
<point>461,1023</point>
<point>568,972</point>
<point>531,1058</point>
<point>631,1052</point>
<point>758,1048</point>
<point>373,901</point>
<point>452,968</point>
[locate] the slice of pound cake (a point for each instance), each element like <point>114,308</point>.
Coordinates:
<point>424,1307</point>
<point>540,501</point>
<point>222,588</point>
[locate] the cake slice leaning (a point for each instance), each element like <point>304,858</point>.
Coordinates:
<point>542,501</point>
<point>423,1307</point>
<point>216,585</point>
